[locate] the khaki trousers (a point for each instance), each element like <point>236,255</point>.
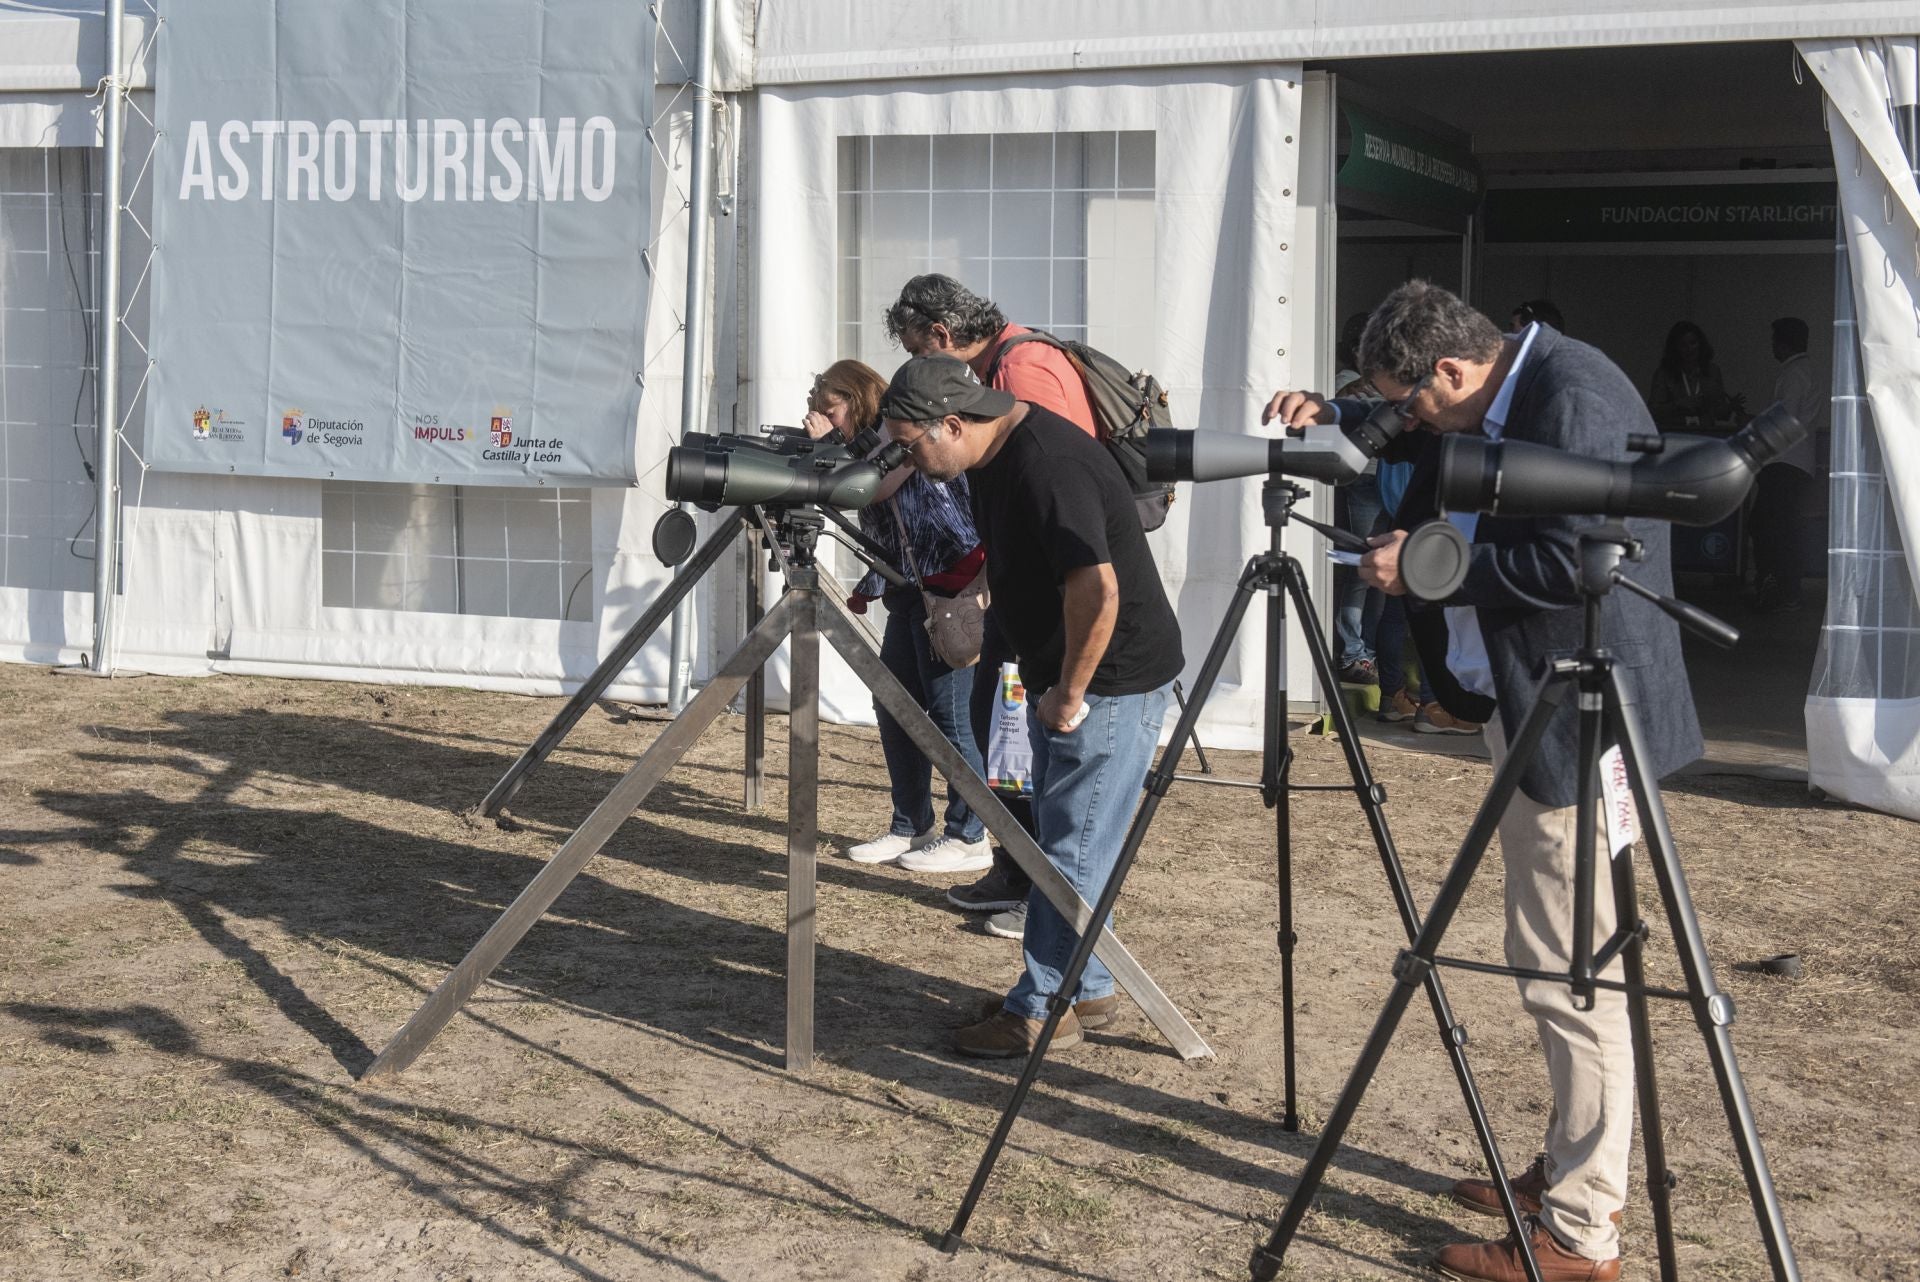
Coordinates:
<point>1589,1053</point>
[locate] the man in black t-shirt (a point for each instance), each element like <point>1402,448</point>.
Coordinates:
<point>1076,591</point>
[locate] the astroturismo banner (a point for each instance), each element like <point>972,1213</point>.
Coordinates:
<point>400,240</point>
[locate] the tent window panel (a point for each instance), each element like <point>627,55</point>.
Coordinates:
<point>486,588</point>
<point>576,532</point>
<point>1135,161</point>
<point>443,549</point>
<point>899,224</point>
<point>962,225</point>
<point>1068,306</point>
<point>1022,225</point>
<point>1023,162</point>
<point>533,534</point>
<point>48,271</point>
<point>1058,229</point>
<point>901,164</point>
<point>962,162</point>
<point>1021,291</point>
<point>533,590</point>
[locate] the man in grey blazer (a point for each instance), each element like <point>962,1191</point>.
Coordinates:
<point>1520,608</point>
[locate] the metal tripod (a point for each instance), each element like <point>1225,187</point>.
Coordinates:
<point>1605,708</point>
<point>1281,577</point>
<point>804,613</point>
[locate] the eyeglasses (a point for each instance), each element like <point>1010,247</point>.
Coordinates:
<point>1404,406</point>
<point>910,447</point>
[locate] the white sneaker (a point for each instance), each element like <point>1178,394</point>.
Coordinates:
<point>888,847</point>
<point>949,854</point>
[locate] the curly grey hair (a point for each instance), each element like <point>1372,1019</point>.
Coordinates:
<point>933,298</point>
<point>1420,324</point>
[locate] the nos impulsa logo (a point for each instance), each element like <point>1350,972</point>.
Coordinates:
<point>430,427</point>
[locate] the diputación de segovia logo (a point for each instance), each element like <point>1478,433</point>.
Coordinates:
<point>293,425</point>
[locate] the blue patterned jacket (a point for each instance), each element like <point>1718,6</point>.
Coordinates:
<point>939,520</point>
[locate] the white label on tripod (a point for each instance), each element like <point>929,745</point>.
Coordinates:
<point>1623,828</point>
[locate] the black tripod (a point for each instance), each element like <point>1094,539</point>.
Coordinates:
<point>1606,712</point>
<point>1281,577</point>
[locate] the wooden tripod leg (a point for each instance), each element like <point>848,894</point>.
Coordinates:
<point>803,829</point>
<point>626,797</point>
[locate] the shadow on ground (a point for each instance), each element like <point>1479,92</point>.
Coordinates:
<point>709,981</point>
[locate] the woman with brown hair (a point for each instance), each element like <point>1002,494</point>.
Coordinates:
<point>926,528</point>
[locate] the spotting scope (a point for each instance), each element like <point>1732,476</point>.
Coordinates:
<point>787,467</point>
<point>1321,452</point>
<point>1689,480</point>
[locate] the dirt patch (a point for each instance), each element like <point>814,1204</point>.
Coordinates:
<point>222,897</point>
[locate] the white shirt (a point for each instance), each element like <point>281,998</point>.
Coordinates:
<point>1804,401</point>
<point>1466,648</point>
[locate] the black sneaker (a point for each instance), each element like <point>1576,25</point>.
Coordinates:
<point>1011,924</point>
<point>993,893</point>
<point>1360,672</point>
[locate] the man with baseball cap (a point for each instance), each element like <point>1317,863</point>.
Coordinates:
<point>1076,591</point>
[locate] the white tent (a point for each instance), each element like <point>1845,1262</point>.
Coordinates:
<point>1183,157</point>
<point>1863,715</point>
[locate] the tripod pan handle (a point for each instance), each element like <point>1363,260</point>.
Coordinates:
<point>1691,617</point>
<point>1345,540</point>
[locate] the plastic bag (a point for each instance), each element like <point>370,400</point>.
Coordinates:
<point>1009,753</point>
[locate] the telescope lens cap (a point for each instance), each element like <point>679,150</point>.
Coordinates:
<point>673,536</point>
<point>1433,560</point>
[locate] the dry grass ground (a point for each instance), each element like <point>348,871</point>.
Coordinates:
<point>220,897</point>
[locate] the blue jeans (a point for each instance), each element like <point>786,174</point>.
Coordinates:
<point>1086,786</point>
<point>942,691</point>
<point>1356,607</point>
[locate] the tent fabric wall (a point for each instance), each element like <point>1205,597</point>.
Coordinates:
<point>1225,271</point>
<point>50,64</point>
<point>222,574</point>
<point>1863,717</point>
<point>803,41</point>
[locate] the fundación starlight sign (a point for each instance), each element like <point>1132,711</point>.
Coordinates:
<point>400,240</point>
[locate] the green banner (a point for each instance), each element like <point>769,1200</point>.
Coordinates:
<point>1694,212</point>
<point>1408,167</point>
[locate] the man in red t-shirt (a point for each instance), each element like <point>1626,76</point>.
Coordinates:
<point>934,314</point>
<point>937,313</point>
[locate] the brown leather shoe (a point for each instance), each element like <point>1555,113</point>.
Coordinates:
<point>1093,1013</point>
<point>1501,1262</point>
<point>1528,1188</point>
<point>1097,1012</point>
<point>1005,1035</point>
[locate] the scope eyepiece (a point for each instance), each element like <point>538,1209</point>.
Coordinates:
<point>1373,433</point>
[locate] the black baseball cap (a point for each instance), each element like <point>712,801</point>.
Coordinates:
<point>928,388</point>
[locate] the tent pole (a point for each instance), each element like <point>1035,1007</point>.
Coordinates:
<point>107,359</point>
<point>693,357</point>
